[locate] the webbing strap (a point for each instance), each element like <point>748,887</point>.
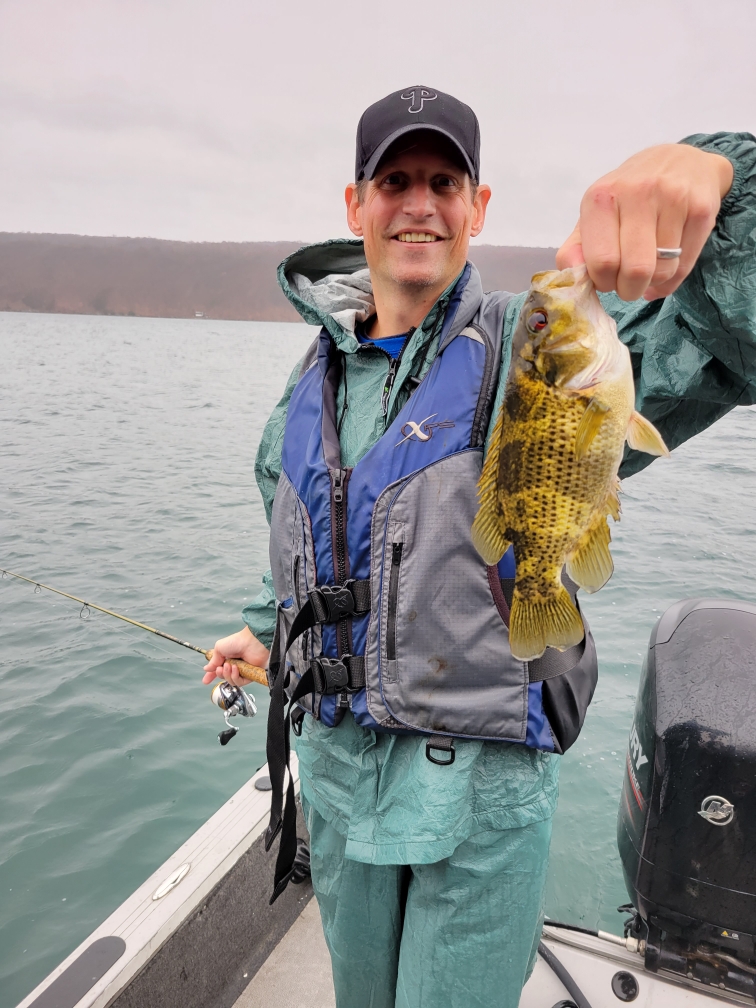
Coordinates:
<point>278,752</point>
<point>283,816</point>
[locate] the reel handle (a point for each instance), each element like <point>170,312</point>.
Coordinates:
<point>252,673</point>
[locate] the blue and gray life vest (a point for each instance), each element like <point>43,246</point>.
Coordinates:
<point>395,615</point>
<point>385,608</point>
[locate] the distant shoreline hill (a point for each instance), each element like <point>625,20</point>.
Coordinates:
<point>76,274</point>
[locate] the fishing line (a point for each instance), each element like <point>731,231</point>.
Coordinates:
<point>138,640</point>
<point>250,672</point>
<point>64,619</point>
<point>230,698</point>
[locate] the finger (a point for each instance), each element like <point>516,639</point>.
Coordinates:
<point>698,227</point>
<point>669,231</point>
<point>571,252</point>
<point>237,678</point>
<point>217,658</point>
<point>599,231</point>
<point>209,676</point>
<point>638,220</point>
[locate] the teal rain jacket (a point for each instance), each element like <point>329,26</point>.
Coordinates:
<point>694,359</point>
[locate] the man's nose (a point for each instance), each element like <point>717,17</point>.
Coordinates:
<point>419,201</point>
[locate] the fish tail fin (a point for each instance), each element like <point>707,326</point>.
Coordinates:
<point>487,536</point>
<point>643,436</point>
<point>535,624</point>
<point>591,565</point>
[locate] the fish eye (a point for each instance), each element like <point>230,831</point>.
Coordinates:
<point>537,321</point>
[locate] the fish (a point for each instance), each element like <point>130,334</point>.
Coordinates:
<point>549,480</point>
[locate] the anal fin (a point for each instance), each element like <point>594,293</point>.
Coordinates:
<point>591,565</point>
<point>643,436</point>
<point>589,426</point>
<point>535,624</point>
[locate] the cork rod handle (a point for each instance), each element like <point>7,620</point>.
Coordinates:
<point>250,672</point>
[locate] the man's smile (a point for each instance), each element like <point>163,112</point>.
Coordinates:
<point>417,236</point>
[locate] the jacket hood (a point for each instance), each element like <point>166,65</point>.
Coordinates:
<point>329,285</point>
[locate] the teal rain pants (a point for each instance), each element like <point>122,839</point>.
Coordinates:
<point>460,933</point>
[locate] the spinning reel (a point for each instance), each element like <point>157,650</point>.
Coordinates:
<point>232,701</point>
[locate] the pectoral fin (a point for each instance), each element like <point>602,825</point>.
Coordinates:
<point>589,426</point>
<point>591,566</point>
<point>643,436</point>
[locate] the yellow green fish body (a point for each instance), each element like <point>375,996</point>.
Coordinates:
<point>550,477</point>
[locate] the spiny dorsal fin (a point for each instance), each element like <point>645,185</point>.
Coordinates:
<point>643,436</point>
<point>591,566</point>
<point>589,426</point>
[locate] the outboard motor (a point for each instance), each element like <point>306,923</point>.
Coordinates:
<point>687,820</point>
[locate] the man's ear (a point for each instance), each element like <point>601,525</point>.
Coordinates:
<point>354,214</point>
<point>482,196</point>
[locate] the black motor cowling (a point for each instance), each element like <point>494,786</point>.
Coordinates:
<point>687,820</point>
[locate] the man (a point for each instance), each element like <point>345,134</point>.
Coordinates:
<point>429,832</point>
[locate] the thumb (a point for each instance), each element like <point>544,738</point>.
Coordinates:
<point>571,252</point>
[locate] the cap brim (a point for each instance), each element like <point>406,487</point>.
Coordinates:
<point>371,165</point>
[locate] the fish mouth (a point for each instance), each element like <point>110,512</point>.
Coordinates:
<point>416,237</point>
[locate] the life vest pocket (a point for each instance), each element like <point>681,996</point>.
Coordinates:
<point>437,654</point>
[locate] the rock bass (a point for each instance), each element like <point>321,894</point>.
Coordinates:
<point>550,477</point>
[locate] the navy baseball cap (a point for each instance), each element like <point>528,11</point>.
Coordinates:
<point>416,108</point>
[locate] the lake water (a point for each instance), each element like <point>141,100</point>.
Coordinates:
<point>127,479</point>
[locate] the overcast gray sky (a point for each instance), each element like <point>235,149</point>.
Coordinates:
<point>211,120</point>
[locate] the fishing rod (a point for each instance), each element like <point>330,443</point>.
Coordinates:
<point>225,695</point>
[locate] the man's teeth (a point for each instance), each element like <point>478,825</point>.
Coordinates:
<point>417,236</point>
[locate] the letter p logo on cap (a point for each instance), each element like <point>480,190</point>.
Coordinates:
<point>417,96</point>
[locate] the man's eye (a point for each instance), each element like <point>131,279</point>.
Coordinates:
<point>393,180</point>
<point>445,181</point>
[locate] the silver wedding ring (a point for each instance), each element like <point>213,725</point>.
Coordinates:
<point>668,253</point>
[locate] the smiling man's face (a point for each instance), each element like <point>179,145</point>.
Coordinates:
<point>417,216</point>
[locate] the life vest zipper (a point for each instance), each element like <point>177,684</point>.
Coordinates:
<point>339,480</point>
<point>393,594</point>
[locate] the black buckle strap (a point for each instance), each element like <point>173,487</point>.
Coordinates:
<point>328,676</point>
<point>338,675</point>
<point>329,604</point>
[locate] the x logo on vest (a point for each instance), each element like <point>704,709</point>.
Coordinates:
<point>417,96</point>
<point>422,431</point>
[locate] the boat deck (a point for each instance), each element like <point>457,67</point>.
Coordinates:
<point>298,971</point>
<point>207,906</point>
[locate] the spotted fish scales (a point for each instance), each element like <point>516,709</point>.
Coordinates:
<point>550,481</point>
